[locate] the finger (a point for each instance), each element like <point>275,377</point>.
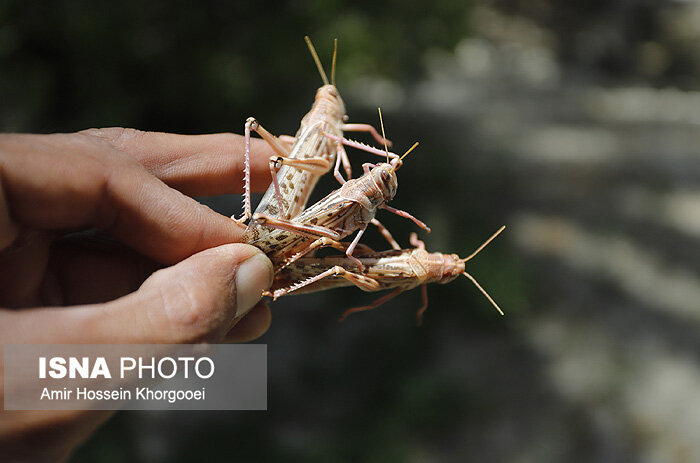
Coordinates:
<point>8,229</point>
<point>252,325</point>
<point>77,269</point>
<point>22,269</point>
<point>197,165</point>
<point>67,181</point>
<point>196,300</point>
<point>87,271</point>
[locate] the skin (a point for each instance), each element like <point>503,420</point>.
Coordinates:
<point>172,271</point>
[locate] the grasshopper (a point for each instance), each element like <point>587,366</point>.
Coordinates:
<point>302,159</point>
<point>397,269</point>
<point>349,208</point>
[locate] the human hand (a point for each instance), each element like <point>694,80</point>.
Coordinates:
<point>129,184</point>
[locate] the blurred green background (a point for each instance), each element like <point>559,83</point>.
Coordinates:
<point>574,123</point>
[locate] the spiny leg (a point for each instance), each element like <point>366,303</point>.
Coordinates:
<point>385,233</point>
<point>247,208</point>
<point>363,282</point>
<point>252,124</point>
<point>424,296</point>
<point>373,305</point>
<point>366,128</point>
<point>361,146</point>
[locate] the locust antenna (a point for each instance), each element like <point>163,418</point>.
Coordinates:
<point>335,54</point>
<point>484,292</point>
<point>316,60</point>
<point>409,150</point>
<point>381,123</point>
<point>484,245</point>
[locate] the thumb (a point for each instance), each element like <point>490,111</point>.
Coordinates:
<point>197,300</point>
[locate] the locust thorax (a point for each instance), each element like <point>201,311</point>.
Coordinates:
<point>452,267</point>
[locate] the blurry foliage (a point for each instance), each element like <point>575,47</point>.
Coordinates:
<point>638,41</point>
<point>196,67</point>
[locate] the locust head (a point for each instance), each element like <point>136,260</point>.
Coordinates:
<point>452,267</point>
<point>328,96</point>
<point>384,176</point>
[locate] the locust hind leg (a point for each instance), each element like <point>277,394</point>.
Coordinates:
<point>332,238</point>
<point>300,228</point>
<point>363,282</point>
<point>325,241</point>
<point>360,249</point>
<point>360,146</point>
<point>366,128</point>
<point>280,148</point>
<point>319,243</point>
<point>373,305</point>
<point>316,165</point>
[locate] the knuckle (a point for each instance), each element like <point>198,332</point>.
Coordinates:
<point>125,136</point>
<point>118,137</point>
<point>189,314</point>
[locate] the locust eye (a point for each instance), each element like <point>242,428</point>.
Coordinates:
<point>385,176</point>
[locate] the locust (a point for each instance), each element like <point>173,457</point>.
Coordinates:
<point>301,160</point>
<point>397,269</point>
<point>351,207</point>
<point>286,231</point>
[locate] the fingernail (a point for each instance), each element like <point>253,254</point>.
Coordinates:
<point>253,277</point>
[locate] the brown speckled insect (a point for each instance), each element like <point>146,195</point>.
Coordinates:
<point>302,159</point>
<point>397,269</point>
<point>349,208</point>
